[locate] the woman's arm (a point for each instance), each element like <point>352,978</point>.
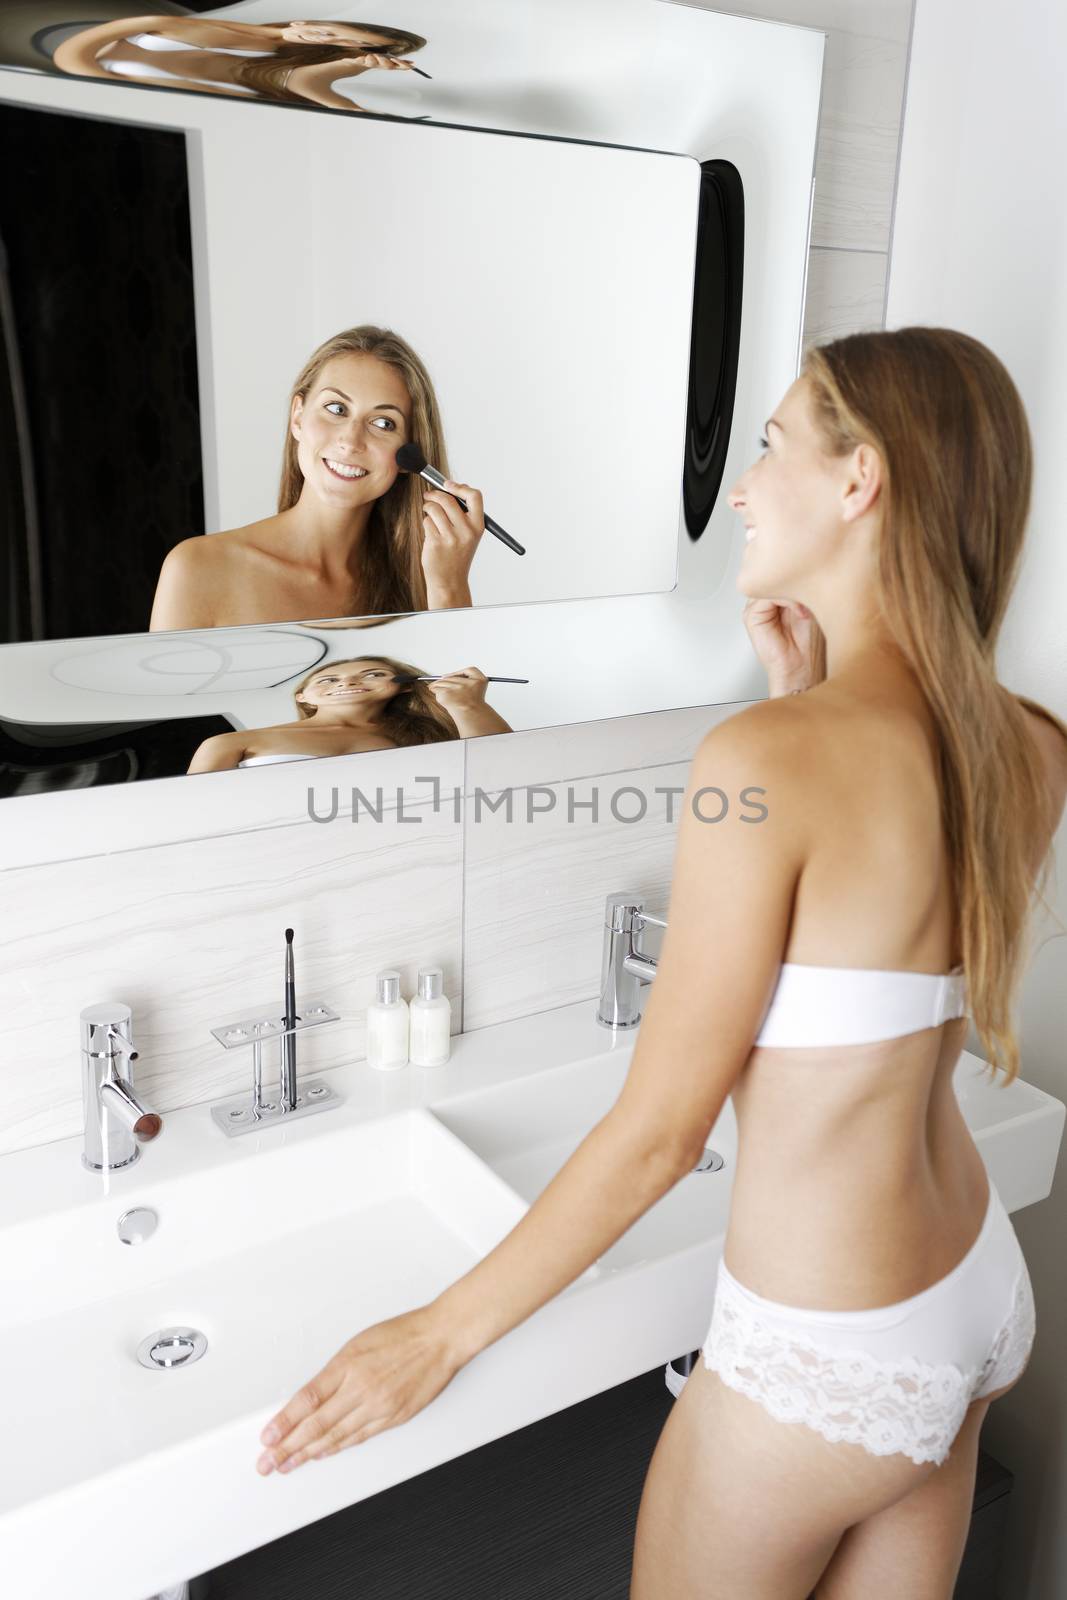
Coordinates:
<point>728,920</point>
<point>185,586</point>
<point>316,84</point>
<point>462,694</point>
<point>78,53</point>
<point>223,752</point>
<point>731,903</point>
<point>477,720</point>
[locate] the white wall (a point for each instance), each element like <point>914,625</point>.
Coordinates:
<point>980,244</point>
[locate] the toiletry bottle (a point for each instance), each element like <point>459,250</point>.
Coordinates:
<point>431,1020</point>
<point>387,1025</point>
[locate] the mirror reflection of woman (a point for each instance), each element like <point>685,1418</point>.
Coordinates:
<point>347,707</point>
<point>294,61</point>
<point>352,535</point>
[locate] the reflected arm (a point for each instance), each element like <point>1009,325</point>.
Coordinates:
<point>79,53</point>
<point>478,720</point>
<point>223,752</point>
<point>316,84</point>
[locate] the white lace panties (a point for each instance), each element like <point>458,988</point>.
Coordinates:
<point>895,1378</point>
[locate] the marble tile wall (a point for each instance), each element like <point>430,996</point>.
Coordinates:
<point>190,933</point>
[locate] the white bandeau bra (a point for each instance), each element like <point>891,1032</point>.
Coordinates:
<point>858,1005</point>
<point>277,755</point>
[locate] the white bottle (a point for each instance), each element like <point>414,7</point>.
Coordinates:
<point>387,1025</point>
<point>431,1020</point>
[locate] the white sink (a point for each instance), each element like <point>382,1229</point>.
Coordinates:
<point>118,1481</point>
<point>277,1256</point>
<point>528,1129</point>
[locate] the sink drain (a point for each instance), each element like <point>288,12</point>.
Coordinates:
<point>171,1347</point>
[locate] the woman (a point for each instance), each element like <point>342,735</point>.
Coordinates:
<point>350,706</point>
<point>353,535</point>
<point>296,61</point>
<point>872,1299</point>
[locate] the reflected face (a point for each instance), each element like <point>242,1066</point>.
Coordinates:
<point>348,34</point>
<point>790,500</point>
<point>351,683</point>
<point>356,416</point>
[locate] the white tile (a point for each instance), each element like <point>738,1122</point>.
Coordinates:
<point>192,935</point>
<point>846,292</point>
<point>615,744</point>
<point>535,886</point>
<point>859,132</point>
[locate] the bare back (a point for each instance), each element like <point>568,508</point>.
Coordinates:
<point>858,1181</point>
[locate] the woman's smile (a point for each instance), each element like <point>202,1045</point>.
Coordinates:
<point>348,470</point>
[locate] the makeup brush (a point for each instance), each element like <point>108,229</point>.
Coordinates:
<point>288,1083</point>
<point>409,458</point>
<point>431,677</point>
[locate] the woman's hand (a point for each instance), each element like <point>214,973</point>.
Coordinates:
<point>374,60</point>
<point>382,1377</point>
<point>450,538</point>
<point>781,635</point>
<point>460,691</point>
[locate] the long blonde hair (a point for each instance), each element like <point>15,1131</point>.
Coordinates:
<point>950,428</point>
<point>413,716</point>
<point>392,578</point>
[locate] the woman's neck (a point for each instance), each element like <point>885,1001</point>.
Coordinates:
<point>347,716</point>
<point>328,542</point>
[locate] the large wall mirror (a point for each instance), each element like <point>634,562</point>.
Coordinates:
<point>268,286</point>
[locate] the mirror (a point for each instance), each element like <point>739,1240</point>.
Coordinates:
<point>592,262</point>
<point>290,300</point>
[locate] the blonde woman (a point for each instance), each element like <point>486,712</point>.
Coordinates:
<point>352,535</point>
<point>366,703</point>
<point>818,968</point>
<point>295,61</point>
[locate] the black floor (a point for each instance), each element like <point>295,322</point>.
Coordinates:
<point>546,1513</point>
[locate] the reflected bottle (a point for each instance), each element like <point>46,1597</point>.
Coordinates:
<point>387,1025</point>
<point>431,1020</point>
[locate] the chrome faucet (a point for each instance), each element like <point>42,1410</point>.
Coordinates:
<point>625,967</point>
<point>116,1123</point>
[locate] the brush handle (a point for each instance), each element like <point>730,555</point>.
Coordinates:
<point>287,1085</point>
<point>432,677</point>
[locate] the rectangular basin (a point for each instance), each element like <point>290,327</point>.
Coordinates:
<point>527,1129</point>
<point>247,1253</point>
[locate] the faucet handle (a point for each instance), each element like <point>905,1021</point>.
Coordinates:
<point>107,1030</point>
<point>620,908</point>
<point>625,910</point>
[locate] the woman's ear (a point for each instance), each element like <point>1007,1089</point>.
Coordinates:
<point>863,482</point>
<point>296,413</point>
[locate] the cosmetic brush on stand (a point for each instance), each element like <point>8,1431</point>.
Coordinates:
<point>287,1086</point>
<point>432,677</point>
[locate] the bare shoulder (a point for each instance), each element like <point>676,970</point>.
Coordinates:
<point>189,555</point>
<point>763,764</point>
<point>1050,740</point>
<point>781,734</point>
<point>1053,747</point>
